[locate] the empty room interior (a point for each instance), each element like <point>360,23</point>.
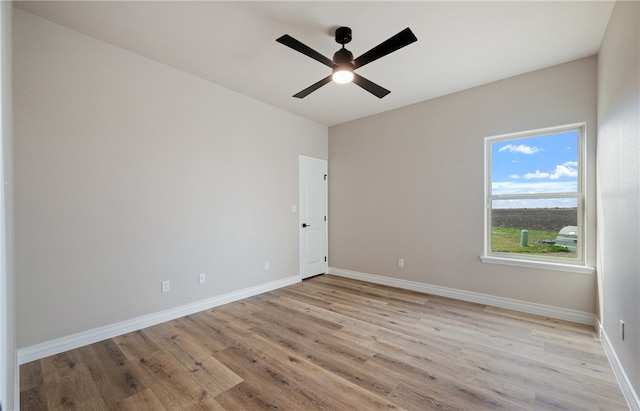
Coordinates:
<point>198,216</point>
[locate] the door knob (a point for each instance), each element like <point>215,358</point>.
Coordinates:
<point>305,225</point>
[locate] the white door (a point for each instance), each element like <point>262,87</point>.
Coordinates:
<point>313,216</point>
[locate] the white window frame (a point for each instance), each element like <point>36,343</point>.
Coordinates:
<point>576,265</point>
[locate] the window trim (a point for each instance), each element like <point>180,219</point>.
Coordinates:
<point>578,264</point>
<point>544,265</point>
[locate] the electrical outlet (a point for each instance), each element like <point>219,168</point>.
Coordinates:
<point>622,330</point>
<point>166,286</point>
<point>401,262</point>
<point>266,266</point>
<point>202,278</point>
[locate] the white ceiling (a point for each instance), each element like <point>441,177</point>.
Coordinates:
<point>460,44</point>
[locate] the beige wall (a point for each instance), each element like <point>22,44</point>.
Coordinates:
<point>129,172</point>
<point>619,185</point>
<point>409,184</point>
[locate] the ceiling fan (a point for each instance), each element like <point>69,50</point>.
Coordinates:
<point>343,63</point>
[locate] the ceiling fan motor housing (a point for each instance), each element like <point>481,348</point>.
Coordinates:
<point>343,35</point>
<point>343,56</point>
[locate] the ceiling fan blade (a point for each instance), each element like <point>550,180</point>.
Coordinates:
<point>370,86</point>
<point>289,41</point>
<point>404,38</point>
<point>313,87</point>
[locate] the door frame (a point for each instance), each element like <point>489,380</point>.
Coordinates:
<point>326,211</point>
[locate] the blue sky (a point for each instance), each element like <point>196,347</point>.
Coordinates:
<point>547,164</point>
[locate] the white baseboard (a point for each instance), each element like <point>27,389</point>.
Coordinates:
<point>566,314</point>
<point>52,347</point>
<point>625,385</point>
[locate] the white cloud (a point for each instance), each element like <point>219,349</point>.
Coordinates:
<point>536,187</point>
<point>537,174</point>
<point>514,176</point>
<point>536,203</point>
<point>521,148</point>
<point>563,171</point>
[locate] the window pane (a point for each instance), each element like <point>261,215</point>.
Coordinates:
<point>533,165</point>
<point>551,226</point>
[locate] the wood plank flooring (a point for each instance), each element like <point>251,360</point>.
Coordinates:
<point>331,343</point>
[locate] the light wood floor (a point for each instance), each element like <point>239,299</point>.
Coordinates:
<point>331,343</point>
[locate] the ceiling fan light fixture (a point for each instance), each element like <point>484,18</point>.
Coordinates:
<point>342,74</point>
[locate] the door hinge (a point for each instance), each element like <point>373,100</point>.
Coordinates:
<point>325,258</point>
<point>325,177</point>
<point>325,218</point>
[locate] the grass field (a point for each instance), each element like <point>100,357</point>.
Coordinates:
<point>542,224</point>
<point>507,240</point>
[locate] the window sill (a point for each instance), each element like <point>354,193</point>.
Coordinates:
<point>542,265</point>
